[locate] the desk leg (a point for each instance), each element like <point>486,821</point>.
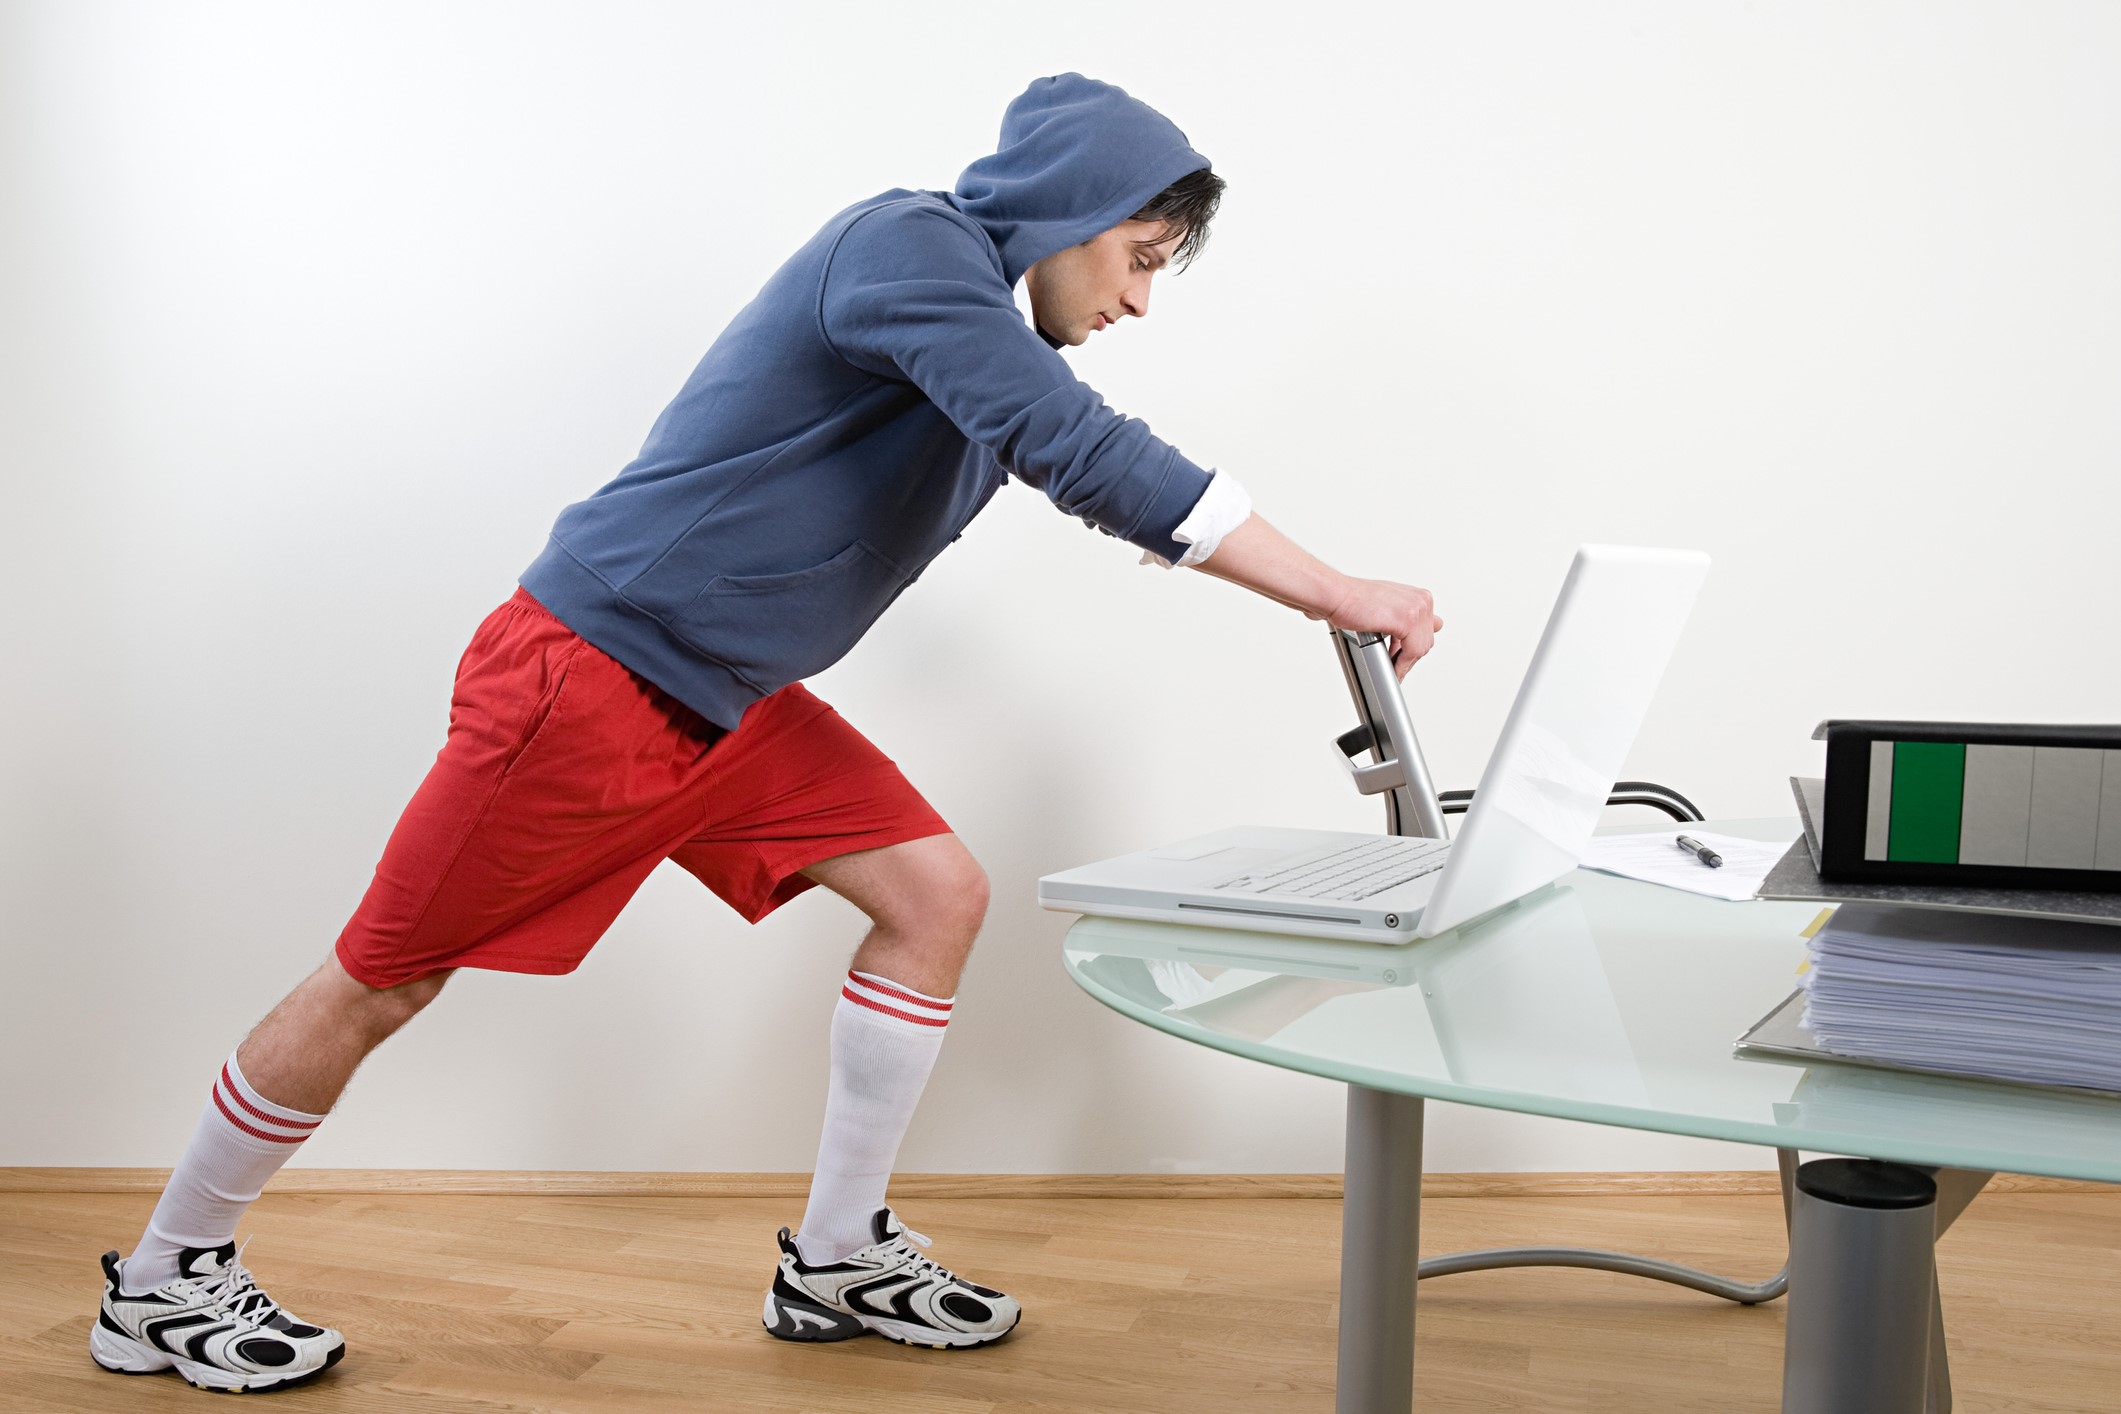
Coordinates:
<point>1863,1289</point>
<point>1380,1230</point>
<point>1956,1188</point>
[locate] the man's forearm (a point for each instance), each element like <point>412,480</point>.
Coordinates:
<point>1267,562</point>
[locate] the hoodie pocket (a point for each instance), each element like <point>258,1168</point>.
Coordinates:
<point>774,629</point>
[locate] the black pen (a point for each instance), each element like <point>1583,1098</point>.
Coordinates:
<point>1700,851</point>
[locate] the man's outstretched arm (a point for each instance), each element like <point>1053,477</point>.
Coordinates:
<point>1267,562</point>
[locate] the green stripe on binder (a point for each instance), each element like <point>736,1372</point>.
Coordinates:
<point>1929,782</point>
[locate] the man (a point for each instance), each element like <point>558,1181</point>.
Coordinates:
<point>639,699</point>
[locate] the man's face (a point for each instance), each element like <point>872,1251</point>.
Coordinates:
<point>1088,287</point>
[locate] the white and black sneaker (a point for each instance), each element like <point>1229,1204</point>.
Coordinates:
<point>212,1325</point>
<point>888,1287</point>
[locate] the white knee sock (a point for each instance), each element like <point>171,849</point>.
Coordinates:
<point>241,1141</point>
<point>884,1041</point>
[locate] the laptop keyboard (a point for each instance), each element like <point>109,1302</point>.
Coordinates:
<point>1347,872</point>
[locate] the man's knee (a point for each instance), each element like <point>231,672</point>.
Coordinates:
<point>951,891</point>
<point>382,1010</point>
<point>915,888</point>
<point>408,999</point>
<point>974,895</point>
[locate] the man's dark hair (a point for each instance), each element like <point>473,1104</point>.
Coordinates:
<point>1187,205</point>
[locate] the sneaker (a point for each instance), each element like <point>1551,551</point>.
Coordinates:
<point>887,1287</point>
<point>212,1325</point>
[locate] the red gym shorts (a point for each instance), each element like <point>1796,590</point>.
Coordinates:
<point>566,779</point>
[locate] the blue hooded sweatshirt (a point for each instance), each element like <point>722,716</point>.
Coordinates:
<point>857,414</point>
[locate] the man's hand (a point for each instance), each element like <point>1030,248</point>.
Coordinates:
<point>1403,613</point>
<point>1267,562</point>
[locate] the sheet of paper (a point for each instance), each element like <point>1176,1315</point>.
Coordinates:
<point>1656,858</point>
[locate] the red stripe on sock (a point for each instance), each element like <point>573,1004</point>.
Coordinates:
<point>232,1118</point>
<point>890,991</point>
<point>849,994</point>
<point>237,1095</point>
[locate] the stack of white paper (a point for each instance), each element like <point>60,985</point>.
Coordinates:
<point>2008,998</point>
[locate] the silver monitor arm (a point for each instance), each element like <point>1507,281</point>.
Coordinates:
<point>1398,771</point>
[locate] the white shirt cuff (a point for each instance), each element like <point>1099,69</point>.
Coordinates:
<point>1222,508</point>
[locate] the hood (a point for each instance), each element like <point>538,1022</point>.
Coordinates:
<point>1077,157</point>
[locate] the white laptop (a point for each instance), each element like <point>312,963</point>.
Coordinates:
<point>1606,644</point>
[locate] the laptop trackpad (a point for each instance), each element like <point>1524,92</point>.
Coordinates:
<point>1217,861</point>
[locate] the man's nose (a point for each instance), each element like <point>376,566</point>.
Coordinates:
<point>1135,298</point>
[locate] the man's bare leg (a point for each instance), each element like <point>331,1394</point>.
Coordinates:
<point>851,1269</point>
<point>925,899</point>
<point>305,1050</point>
<point>181,1301</point>
<point>271,1095</point>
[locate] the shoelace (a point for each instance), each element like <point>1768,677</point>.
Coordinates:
<point>922,1263</point>
<point>238,1291</point>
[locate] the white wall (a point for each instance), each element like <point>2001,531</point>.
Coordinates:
<point>315,316</point>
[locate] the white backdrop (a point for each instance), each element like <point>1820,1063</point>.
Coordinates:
<point>315,316</point>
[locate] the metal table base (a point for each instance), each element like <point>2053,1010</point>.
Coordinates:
<point>1380,1262</point>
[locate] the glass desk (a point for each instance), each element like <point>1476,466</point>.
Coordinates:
<point>1596,998</point>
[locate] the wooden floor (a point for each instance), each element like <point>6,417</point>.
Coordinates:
<point>652,1305</point>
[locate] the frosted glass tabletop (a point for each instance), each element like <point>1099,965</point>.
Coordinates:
<point>1597,998</point>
